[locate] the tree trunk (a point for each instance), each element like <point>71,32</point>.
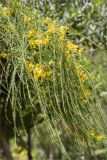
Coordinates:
<point>5,146</point>
<point>29,145</point>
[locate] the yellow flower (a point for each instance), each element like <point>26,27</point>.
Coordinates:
<point>87,93</point>
<point>4,55</point>
<point>59,74</point>
<point>7,11</point>
<point>27,19</point>
<point>32,43</point>
<point>82,74</point>
<point>47,20</point>
<point>63,30</point>
<point>31,33</point>
<point>92,133</point>
<point>84,77</point>
<point>40,73</point>
<point>72,47</point>
<point>38,42</point>
<point>38,70</point>
<point>38,65</point>
<point>46,40</point>
<point>99,138</point>
<point>47,74</point>
<point>30,66</point>
<point>52,29</point>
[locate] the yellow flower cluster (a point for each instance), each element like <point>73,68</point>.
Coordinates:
<point>38,38</point>
<point>32,33</point>
<point>38,70</point>
<point>27,19</point>
<point>87,93</point>
<point>82,74</point>
<point>30,66</point>
<point>97,137</point>
<point>7,11</point>
<point>47,20</point>
<point>62,31</point>
<point>38,42</point>
<point>71,47</point>
<point>52,25</point>
<point>92,133</point>
<point>4,55</point>
<point>52,28</point>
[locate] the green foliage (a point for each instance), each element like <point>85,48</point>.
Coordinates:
<point>45,76</point>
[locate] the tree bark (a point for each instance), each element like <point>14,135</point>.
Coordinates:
<point>5,146</point>
<point>29,145</point>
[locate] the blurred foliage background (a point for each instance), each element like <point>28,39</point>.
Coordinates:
<point>89,19</point>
